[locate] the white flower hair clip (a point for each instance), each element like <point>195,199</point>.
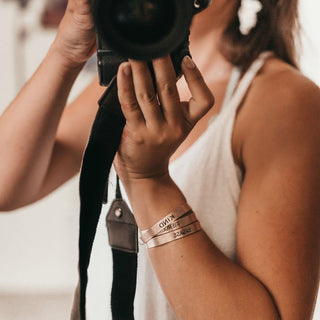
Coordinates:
<point>247,15</point>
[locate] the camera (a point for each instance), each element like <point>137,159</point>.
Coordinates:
<point>141,30</point>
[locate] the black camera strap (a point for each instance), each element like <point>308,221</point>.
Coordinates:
<point>98,157</point>
<point>102,146</point>
<point>123,239</point>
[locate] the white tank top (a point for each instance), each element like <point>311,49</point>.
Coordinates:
<point>211,182</point>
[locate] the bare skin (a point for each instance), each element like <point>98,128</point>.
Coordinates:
<point>275,140</point>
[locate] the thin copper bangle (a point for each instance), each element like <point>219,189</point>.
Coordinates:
<point>174,235</point>
<point>177,213</point>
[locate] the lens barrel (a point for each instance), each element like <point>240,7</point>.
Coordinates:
<point>143,29</point>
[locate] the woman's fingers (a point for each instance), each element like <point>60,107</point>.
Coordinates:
<point>166,87</point>
<point>145,93</point>
<point>139,100</point>
<point>127,97</point>
<point>202,98</point>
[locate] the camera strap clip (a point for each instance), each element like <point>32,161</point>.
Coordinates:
<point>121,225</point>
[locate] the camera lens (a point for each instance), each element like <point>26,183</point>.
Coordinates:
<point>143,21</point>
<point>142,29</point>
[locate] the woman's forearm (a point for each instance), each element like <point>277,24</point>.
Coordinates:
<point>28,129</point>
<point>199,281</point>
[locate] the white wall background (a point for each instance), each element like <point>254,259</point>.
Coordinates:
<point>38,244</point>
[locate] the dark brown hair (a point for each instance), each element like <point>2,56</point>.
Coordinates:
<point>277,30</point>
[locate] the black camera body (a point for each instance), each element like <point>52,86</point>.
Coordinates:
<point>142,30</point>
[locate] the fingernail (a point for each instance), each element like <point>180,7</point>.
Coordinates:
<point>188,62</point>
<point>127,69</point>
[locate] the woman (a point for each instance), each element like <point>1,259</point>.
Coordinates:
<point>249,167</point>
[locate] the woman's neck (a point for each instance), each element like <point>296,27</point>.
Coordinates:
<point>205,37</point>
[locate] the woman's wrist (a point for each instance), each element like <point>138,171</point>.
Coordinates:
<point>68,65</point>
<point>153,198</point>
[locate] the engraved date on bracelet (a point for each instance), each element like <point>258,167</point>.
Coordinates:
<point>182,232</point>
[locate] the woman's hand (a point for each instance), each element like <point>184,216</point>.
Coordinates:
<point>157,123</point>
<point>76,40</point>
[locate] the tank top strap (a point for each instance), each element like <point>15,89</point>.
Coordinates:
<point>234,96</point>
<point>232,84</point>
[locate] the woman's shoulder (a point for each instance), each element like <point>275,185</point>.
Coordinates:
<point>281,91</point>
<point>284,86</point>
<point>281,108</point>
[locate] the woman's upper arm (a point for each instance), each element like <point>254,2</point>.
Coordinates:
<point>72,136</point>
<point>279,208</point>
